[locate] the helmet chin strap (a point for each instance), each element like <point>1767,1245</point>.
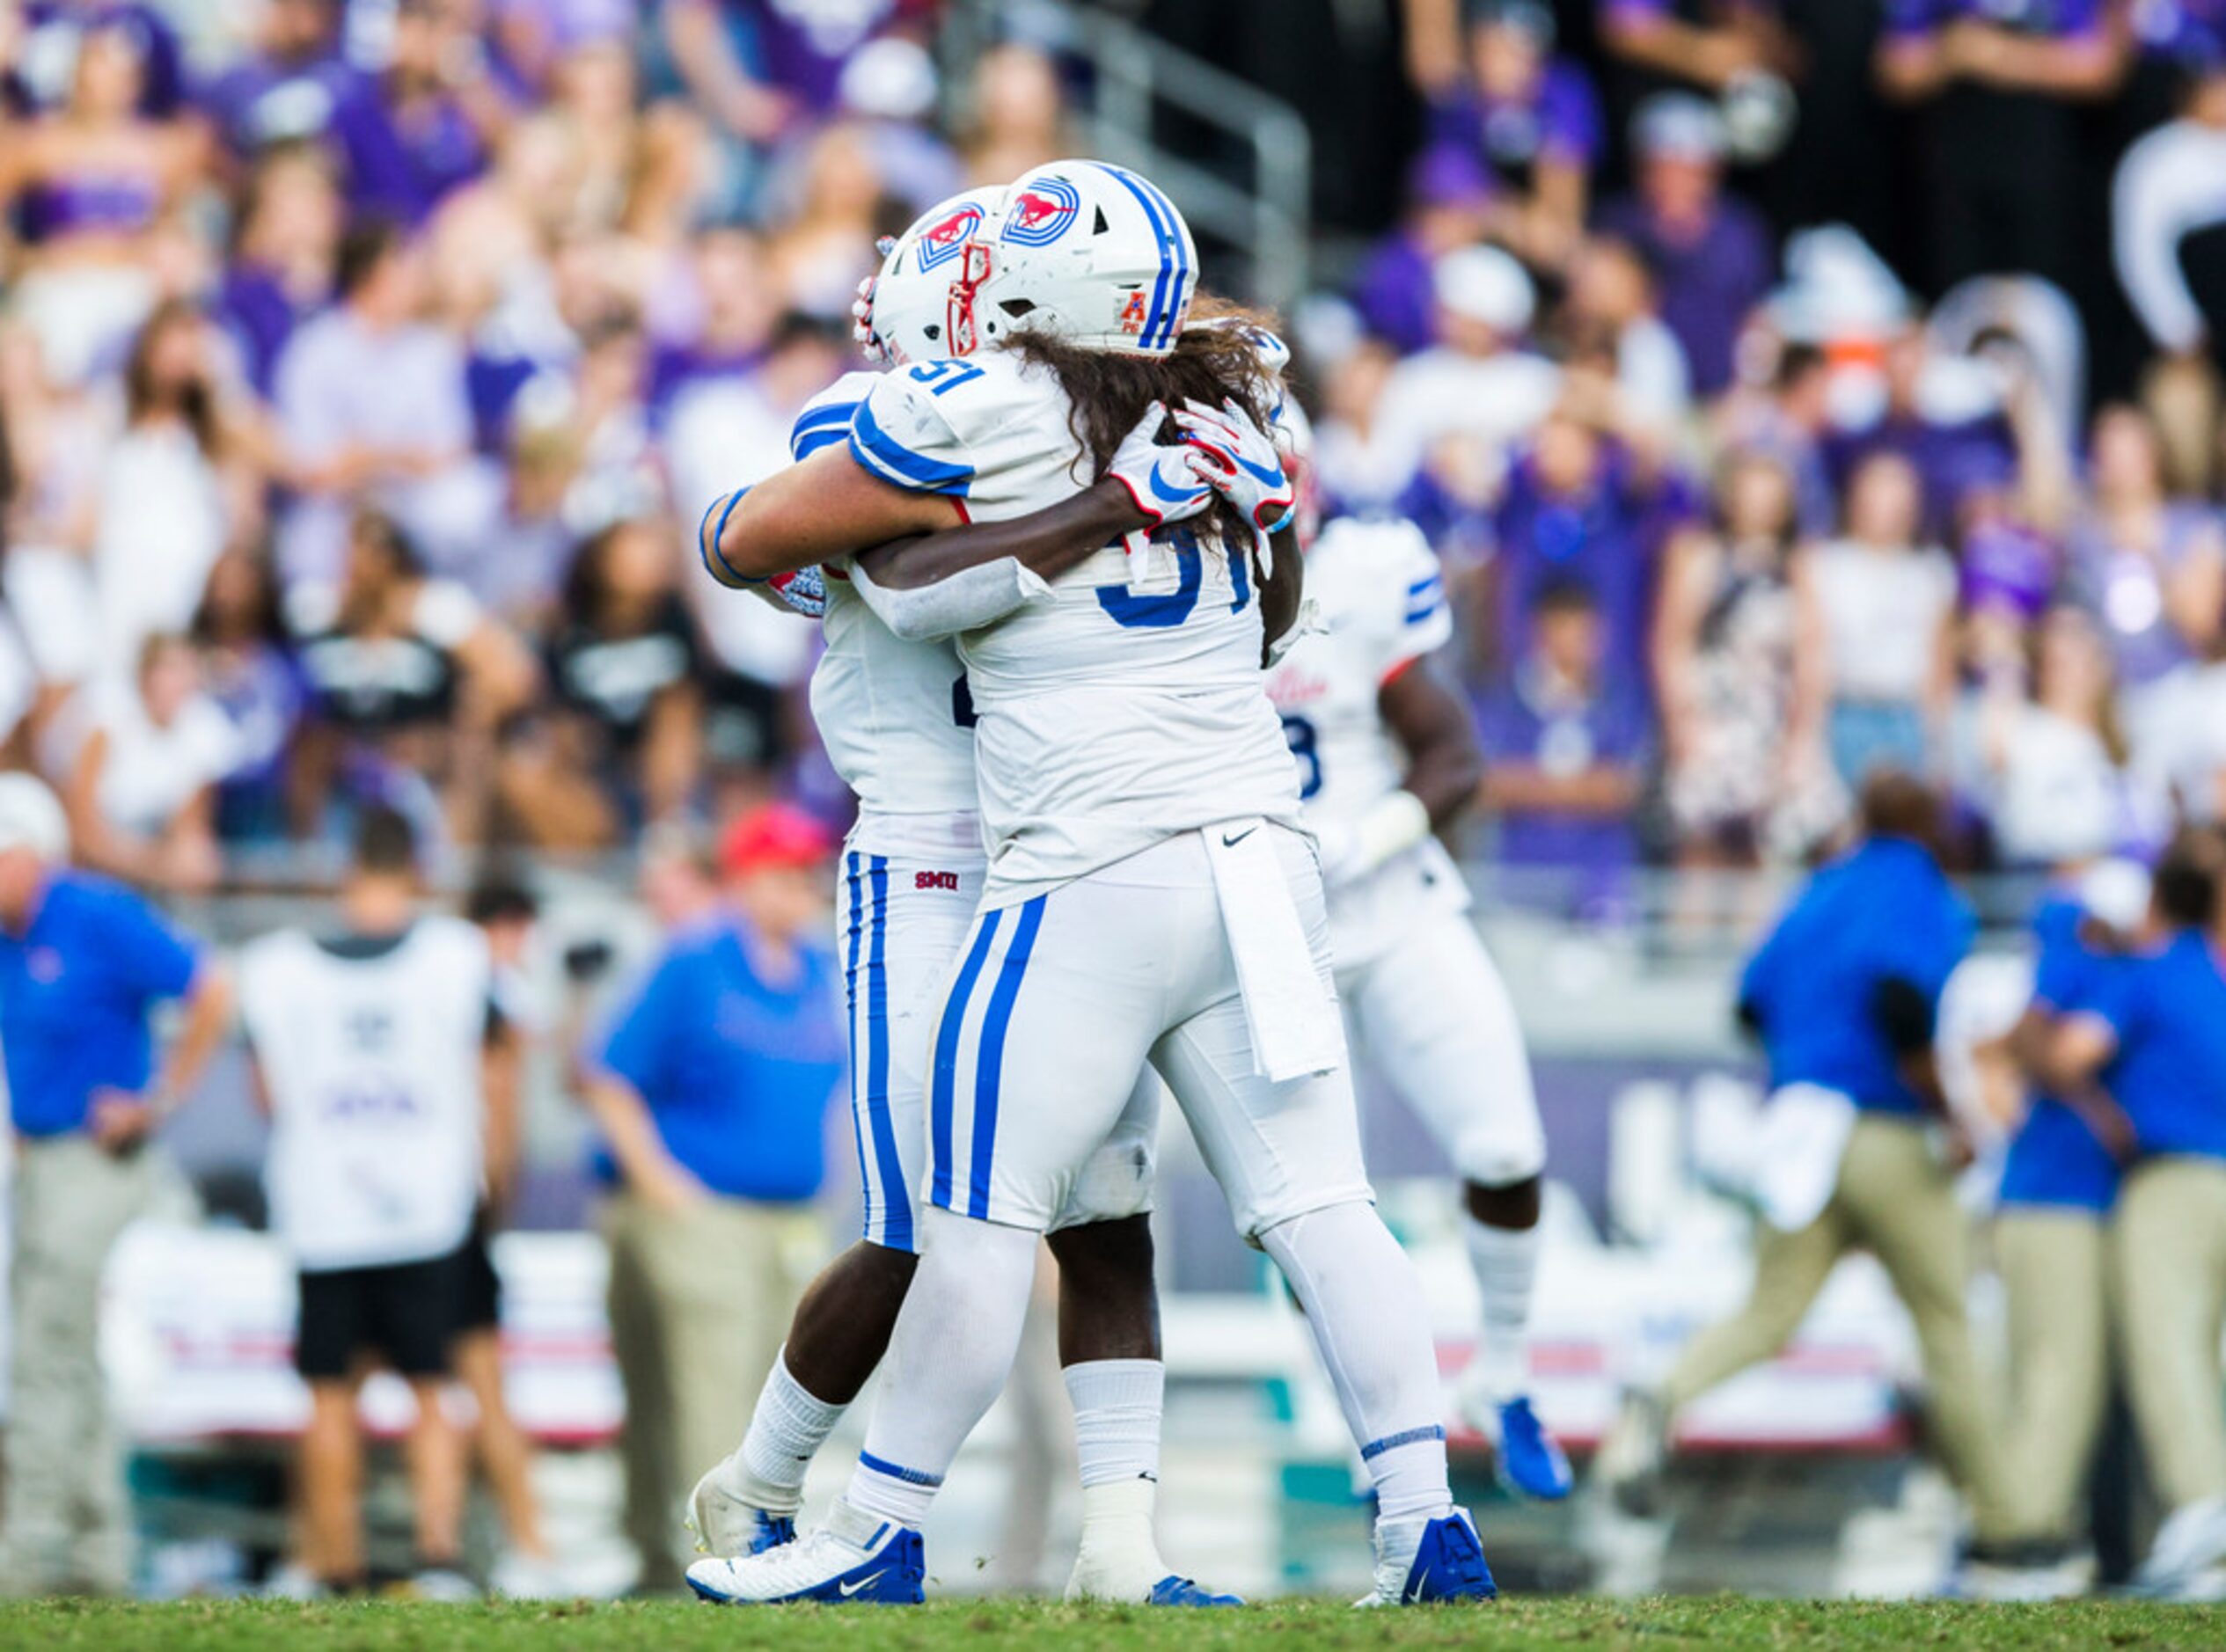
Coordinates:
<point>974,269</point>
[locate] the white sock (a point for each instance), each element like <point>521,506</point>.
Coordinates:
<point>1117,1418</point>
<point>952,1349</point>
<point>786,1432</point>
<point>1506,1264</point>
<point>1365,1302</point>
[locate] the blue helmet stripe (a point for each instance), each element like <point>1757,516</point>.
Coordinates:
<point>1156,320</point>
<point>1181,261</point>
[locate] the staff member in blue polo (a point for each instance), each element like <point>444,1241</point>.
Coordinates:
<point>711,1088</point>
<point>1842,994</point>
<point>2051,1233</point>
<point>84,965</point>
<point>2152,1037</point>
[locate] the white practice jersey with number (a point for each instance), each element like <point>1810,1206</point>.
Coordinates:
<point>1382,599</point>
<point>372,1061</point>
<point>1110,716</point>
<point>893,713</point>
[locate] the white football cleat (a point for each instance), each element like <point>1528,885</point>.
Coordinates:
<point>855,1557</point>
<point>1420,1560</point>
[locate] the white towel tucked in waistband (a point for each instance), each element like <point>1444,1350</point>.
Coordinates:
<point>1292,1017</point>
<point>1803,1137</point>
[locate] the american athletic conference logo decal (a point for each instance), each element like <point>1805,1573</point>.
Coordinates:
<point>1039,214</point>
<point>941,242</point>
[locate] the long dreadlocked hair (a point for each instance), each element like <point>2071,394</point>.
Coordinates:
<point>1214,357</point>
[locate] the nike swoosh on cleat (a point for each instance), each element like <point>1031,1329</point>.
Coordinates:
<point>1228,842</point>
<point>847,1589</point>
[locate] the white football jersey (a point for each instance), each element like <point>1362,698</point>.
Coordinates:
<point>893,714</point>
<point>1382,595</point>
<point>1110,716</point>
<point>371,1063</point>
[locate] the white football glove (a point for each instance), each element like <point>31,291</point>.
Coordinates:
<point>1242,462</point>
<point>803,590</point>
<point>861,316</point>
<point>1170,480</point>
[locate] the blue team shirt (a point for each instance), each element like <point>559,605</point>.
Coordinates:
<point>1883,911</point>
<point>76,991</point>
<point>738,1074</point>
<point>2054,1159</point>
<point>2168,1009</point>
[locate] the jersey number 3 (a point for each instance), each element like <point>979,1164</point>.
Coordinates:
<point>1298,734</point>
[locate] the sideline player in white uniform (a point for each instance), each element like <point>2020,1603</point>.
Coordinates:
<point>1386,757</point>
<point>1151,894</point>
<point>897,724</point>
<point>369,1049</point>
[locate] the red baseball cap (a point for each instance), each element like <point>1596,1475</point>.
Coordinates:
<point>774,836</point>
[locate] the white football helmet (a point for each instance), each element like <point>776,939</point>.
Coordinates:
<point>1091,254</point>
<point>921,305</point>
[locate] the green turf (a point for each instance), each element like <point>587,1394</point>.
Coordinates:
<point>677,1627</point>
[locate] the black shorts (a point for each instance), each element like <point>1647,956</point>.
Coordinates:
<point>478,1288</point>
<point>403,1314</point>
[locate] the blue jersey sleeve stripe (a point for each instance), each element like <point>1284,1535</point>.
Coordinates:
<point>990,1062</point>
<point>817,427</point>
<point>880,452</point>
<point>941,1098</point>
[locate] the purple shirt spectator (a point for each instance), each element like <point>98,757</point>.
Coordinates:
<point>2008,567</point>
<point>38,80</point>
<point>1603,536</point>
<point>1449,190</point>
<point>800,47</point>
<point>2056,19</point>
<point>1708,279</point>
<point>1950,460</point>
<point>1563,729</point>
<point>1559,121</point>
<point>253,307</point>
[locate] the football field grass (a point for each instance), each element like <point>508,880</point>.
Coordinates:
<point>975,1627</point>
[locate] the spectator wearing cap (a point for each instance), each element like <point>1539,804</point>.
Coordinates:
<point>1458,406</point>
<point>2000,82</point>
<point>710,1086</point>
<point>84,965</point>
<point>1533,119</point>
<point>1710,252</point>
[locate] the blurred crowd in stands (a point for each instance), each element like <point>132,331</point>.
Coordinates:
<point>362,363</point>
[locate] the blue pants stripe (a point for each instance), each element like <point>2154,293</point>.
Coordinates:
<point>941,1105</point>
<point>897,1223</point>
<point>989,1063</point>
<point>898,1471</point>
<point>1393,1441</point>
<point>859,1035</point>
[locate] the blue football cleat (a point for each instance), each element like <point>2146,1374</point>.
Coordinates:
<point>1530,1464</point>
<point>853,1559</point>
<point>1182,1591</point>
<point>1419,1562</point>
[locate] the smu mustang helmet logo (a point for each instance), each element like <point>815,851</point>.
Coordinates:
<point>1040,214</point>
<point>940,242</point>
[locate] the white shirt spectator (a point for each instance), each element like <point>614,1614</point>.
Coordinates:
<point>152,770</point>
<point>1882,613</point>
<point>2171,184</point>
<point>397,391</point>
<point>162,528</point>
<point>1496,400</point>
<point>725,433</point>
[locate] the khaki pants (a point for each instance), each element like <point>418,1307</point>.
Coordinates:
<point>1895,1200</point>
<point>66,1524</point>
<point>2053,1264</point>
<point>699,1302</point>
<point>2168,1263</point>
